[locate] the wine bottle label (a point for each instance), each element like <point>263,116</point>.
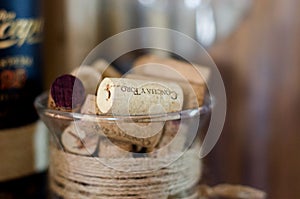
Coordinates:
<point>23,151</point>
<point>23,147</point>
<point>21,30</point>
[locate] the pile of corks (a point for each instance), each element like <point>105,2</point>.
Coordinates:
<point>154,86</point>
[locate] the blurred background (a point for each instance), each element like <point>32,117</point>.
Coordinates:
<point>255,44</point>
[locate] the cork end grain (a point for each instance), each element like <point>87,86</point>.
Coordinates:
<point>67,93</point>
<point>105,95</point>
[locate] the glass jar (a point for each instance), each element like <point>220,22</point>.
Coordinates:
<point>95,155</point>
<point>94,166</point>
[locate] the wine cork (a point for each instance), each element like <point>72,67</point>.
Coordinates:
<point>123,96</point>
<point>114,149</point>
<point>89,105</point>
<point>79,140</point>
<point>192,72</point>
<point>106,69</point>
<point>189,76</point>
<point>193,94</point>
<point>89,77</point>
<point>231,191</point>
<point>67,93</point>
<point>133,133</point>
<point>144,134</point>
<point>173,139</point>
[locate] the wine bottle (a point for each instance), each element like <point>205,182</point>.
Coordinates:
<point>23,138</point>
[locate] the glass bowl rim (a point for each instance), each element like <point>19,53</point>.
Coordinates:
<point>40,104</point>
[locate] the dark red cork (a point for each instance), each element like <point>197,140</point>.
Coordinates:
<point>67,92</point>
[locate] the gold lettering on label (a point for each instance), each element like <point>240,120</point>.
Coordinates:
<point>4,15</point>
<point>23,61</point>
<point>19,31</point>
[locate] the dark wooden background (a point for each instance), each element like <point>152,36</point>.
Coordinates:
<point>260,64</point>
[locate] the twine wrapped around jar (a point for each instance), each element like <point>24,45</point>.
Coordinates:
<point>74,176</point>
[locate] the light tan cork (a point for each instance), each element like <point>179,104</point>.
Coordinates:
<point>89,77</point>
<point>106,69</point>
<point>191,77</point>
<point>123,96</point>
<point>162,67</point>
<point>89,106</point>
<point>193,94</point>
<point>173,139</point>
<point>114,149</point>
<point>144,134</point>
<point>79,140</point>
<point>133,133</point>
